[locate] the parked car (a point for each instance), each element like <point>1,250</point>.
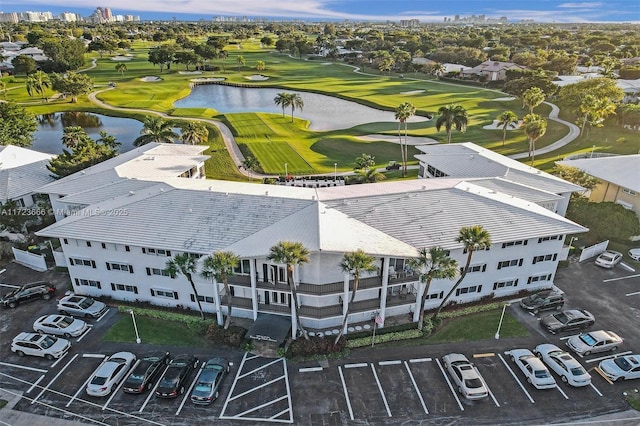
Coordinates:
<point>175,377</point>
<point>466,376</point>
<point>42,345</point>
<point>110,373</point>
<point>533,369</point>
<point>564,365</point>
<point>393,165</point>
<point>594,341</point>
<point>81,306</point>
<point>146,372</point>
<point>609,259</point>
<point>59,325</point>
<point>543,301</point>
<point>634,253</point>
<point>38,290</point>
<point>574,319</point>
<point>621,368</point>
<point>208,383</point>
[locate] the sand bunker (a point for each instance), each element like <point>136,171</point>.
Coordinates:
<point>120,58</point>
<point>151,78</point>
<point>411,140</point>
<point>189,72</point>
<point>505,99</point>
<point>257,77</point>
<point>494,126</point>
<point>412,92</point>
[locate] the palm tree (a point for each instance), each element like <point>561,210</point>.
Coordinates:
<point>240,61</point>
<point>283,99</point>
<point>291,254</point>
<point>37,83</point>
<point>354,263</point>
<point>432,263</point>
<point>222,55</point>
<point>473,238</point>
<point>507,119</point>
<point>594,111</point>
<point>219,266</point>
<point>121,68</point>
<point>72,136</point>
<point>250,164</point>
<point>185,264</point>
<point>534,127</point>
<point>533,97</point>
<point>452,116</point>
<point>404,111</point>
<point>193,133</point>
<point>3,88</point>
<point>296,102</point>
<point>108,140</point>
<point>155,129</point>
<point>260,65</point>
<point>372,175</point>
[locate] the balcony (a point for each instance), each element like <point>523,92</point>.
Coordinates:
<point>315,289</point>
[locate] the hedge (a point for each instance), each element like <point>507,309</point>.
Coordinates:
<point>472,310</point>
<point>388,337</point>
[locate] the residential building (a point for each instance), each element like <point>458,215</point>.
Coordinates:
<point>491,70</point>
<point>22,173</point>
<point>127,217</point>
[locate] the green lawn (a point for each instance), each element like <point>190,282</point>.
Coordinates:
<point>154,331</point>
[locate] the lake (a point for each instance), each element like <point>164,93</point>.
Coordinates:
<point>48,137</point>
<point>324,112</point>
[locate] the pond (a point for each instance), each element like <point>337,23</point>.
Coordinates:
<point>48,137</point>
<point>324,112</point>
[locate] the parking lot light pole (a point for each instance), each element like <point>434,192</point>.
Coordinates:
<point>497,336</point>
<point>135,326</point>
<point>335,171</point>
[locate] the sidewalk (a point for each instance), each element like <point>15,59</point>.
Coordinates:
<point>13,417</point>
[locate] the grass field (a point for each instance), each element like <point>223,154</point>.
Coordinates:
<point>154,331</point>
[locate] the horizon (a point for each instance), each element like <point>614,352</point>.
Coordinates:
<point>542,11</point>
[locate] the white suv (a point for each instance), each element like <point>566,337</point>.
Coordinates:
<point>43,345</point>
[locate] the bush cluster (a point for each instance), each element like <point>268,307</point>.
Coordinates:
<point>387,337</point>
<point>233,336</point>
<point>301,348</point>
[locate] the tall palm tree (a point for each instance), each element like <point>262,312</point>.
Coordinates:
<point>155,129</point>
<point>222,55</point>
<point>240,61</point>
<point>452,116</point>
<point>108,140</point>
<point>473,238</point>
<point>432,263</point>
<point>3,88</point>
<point>72,136</point>
<point>121,68</point>
<point>37,83</point>
<point>354,263</point>
<point>219,266</point>
<point>534,127</point>
<point>193,133</point>
<point>283,100</point>
<point>532,97</point>
<point>185,264</point>
<point>296,102</point>
<point>507,119</point>
<point>404,111</point>
<point>290,254</point>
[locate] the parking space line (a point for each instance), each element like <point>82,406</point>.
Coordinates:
<point>455,395</point>
<point>390,362</point>
<point>609,356</point>
<point>93,356</point>
<point>275,361</point>
<point>627,267</point>
<point>621,278</point>
<point>249,358</point>
<point>489,390</point>
<point>250,410</point>
<point>59,359</point>
<point>600,372</point>
<point>562,392</point>
<point>103,315</point>
<point>595,389</point>
<point>309,369</point>
<point>414,360</point>
<point>89,327</point>
<point>84,385</point>
<point>54,379</point>
<point>152,391</point>
<point>89,419</point>
<point>516,379</point>
<point>275,416</point>
<point>415,386</point>
<point>119,386</point>
<point>188,392</point>
<point>632,294</point>
<point>270,382</point>
<point>35,384</point>
<point>359,365</point>
<point>8,285</point>
<point>346,392</point>
<point>39,370</point>
<point>286,380</point>
<point>384,398</point>
<point>233,385</point>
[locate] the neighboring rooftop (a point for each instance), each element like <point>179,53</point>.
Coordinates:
<point>22,171</point>
<point>622,170</point>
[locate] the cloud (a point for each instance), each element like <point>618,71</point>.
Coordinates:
<point>583,5</point>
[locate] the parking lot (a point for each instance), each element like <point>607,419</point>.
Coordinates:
<point>380,386</point>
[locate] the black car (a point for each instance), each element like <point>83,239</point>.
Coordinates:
<point>574,319</point>
<point>543,301</point>
<point>28,292</point>
<point>146,372</point>
<point>175,378</point>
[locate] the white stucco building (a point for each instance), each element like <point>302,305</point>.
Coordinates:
<point>22,173</point>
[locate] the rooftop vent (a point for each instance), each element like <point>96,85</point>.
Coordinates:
<point>131,192</point>
<point>266,192</point>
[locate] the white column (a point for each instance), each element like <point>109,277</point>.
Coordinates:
<point>254,288</point>
<point>216,296</point>
<point>385,286</point>
<point>345,300</point>
<point>294,320</point>
<point>416,309</point>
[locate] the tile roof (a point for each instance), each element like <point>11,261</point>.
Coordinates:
<point>622,170</point>
<point>22,171</point>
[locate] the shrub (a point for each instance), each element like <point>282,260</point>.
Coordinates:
<point>302,348</point>
<point>233,336</point>
<point>388,337</point>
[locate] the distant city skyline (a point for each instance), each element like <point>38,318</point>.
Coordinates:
<point>355,10</point>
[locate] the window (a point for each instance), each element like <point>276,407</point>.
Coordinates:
<point>552,238</point>
<point>205,299</point>
<point>475,268</point>
<point>126,248</point>
<point>629,191</point>
<point>536,278</point>
<point>88,243</point>
<point>167,294</point>
<point>124,287</point>
<point>82,262</point>
<point>508,263</point>
<point>64,240</point>
<point>465,250</point>
<point>119,267</point>
<point>156,252</point>
<point>436,295</point>
<point>502,284</point>
<point>89,283</point>
<point>470,289</point>
<point>104,246</point>
<point>544,258</point>
<point>157,271</point>
<point>514,243</point>
<point>243,268</point>
<point>435,172</point>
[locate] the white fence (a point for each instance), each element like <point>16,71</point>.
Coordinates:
<point>594,250</point>
<point>30,260</point>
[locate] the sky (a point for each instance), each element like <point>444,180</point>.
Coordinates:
<point>357,10</point>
